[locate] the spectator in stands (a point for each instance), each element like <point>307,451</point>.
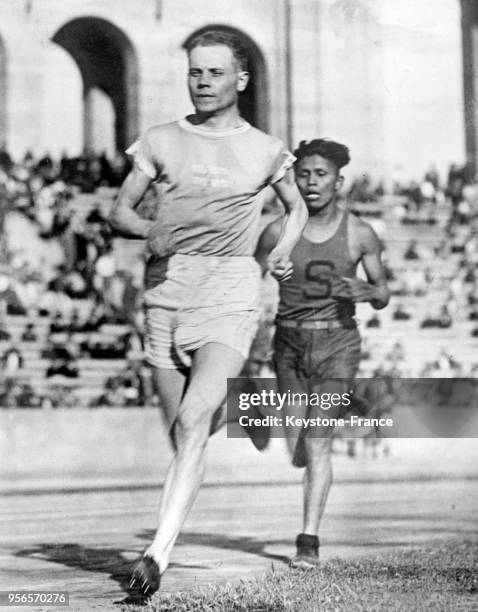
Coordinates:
<point>380,190</point>
<point>365,350</point>
<point>473,316</point>
<point>58,324</point>
<point>470,274</point>
<point>67,367</point>
<point>14,304</point>
<point>125,389</point>
<point>130,393</point>
<point>105,169</point>
<point>5,160</point>
<point>11,360</point>
<point>74,326</point>
<point>4,286</point>
<point>55,349</point>
<point>389,273</point>
<point>95,215</point>
<point>396,355</point>
<point>442,249</point>
<point>29,334</point>
<point>112,396</point>
<point>54,301</point>
<point>99,231</point>
<point>26,397</point>
<point>411,252</point>
<point>374,321</point>
<point>105,269</point>
<point>11,393</point>
<point>472,297</point>
<point>4,385</point>
<point>96,318</point>
<point>414,281</point>
<point>362,190</point>
<point>444,367</point>
<point>76,286</point>
<point>100,346</point>
<point>61,395</point>
<point>428,193</point>
<point>400,314</point>
<point>455,184</point>
<point>414,197</point>
<point>471,250</point>
<point>428,321</point>
<point>444,319</point>
<point>433,177</point>
<point>59,347</point>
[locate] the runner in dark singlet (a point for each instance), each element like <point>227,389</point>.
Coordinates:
<point>317,340</point>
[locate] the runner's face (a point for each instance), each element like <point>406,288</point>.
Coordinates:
<point>318,180</point>
<point>214,79</point>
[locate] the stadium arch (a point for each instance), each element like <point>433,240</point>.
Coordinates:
<point>254,101</point>
<point>107,62</point>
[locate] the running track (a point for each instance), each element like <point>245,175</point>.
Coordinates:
<point>84,542</point>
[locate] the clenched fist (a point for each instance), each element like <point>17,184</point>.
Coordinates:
<point>279,265</point>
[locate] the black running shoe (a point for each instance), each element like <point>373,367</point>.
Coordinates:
<point>307,556</point>
<point>145,579</point>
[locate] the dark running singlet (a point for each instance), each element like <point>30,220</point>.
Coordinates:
<point>315,290</point>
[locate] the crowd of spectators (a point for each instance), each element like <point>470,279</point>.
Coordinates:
<point>445,278</point>
<point>365,191</point>
<point>130,387</point>
<point>420,198</point>
<point>44,191</point>
<point>86,172</point>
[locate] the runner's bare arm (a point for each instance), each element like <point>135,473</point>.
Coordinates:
<point>293,224</point>
<point>123,217</point>
<point>375,291</point>
<point>267,241</point>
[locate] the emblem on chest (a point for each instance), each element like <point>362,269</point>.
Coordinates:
<point>209,176</point>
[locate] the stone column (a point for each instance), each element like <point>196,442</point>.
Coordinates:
<point>470,81</point>
<point>3,94</point>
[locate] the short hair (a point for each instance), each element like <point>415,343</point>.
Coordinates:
<point>331,150</point>
<point>211,38</point>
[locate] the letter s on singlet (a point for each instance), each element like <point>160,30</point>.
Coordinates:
<point>318,271</point>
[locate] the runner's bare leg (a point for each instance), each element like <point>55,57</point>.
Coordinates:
<point>317,481</point>
<point>212,365</point>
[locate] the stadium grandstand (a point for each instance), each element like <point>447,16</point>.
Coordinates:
<point>70,291</point>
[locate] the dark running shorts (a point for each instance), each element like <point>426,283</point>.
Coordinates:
<point>306,360</point>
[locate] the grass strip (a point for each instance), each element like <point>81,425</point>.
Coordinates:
<point>440,577</point>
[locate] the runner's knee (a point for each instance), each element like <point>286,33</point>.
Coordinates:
<point>194,418</point>
<point>319,448</point>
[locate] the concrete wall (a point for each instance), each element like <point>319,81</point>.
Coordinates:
<point>114,446</point>
<point>349,71</point>
<point>101,443</point>
<point>422,86</point>
<point>71,448</point>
